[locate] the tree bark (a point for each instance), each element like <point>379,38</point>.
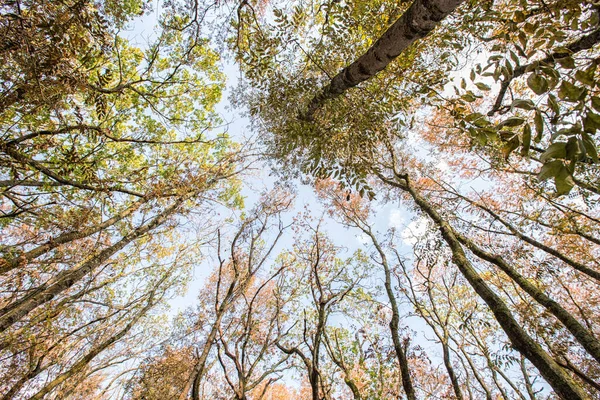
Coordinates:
<point>583,336</point>
<point>417,22</point>
<point>84,361</point>
<point>557,378</point>
<point>7,265</point>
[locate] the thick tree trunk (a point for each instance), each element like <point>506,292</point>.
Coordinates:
<point>583,336</point>
<point>417,22</point>
<point>19,309</point>
<point>556,377</point>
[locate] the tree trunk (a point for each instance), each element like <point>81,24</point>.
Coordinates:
<point>450,369</point>
<point>417,22</point>
<point>395,322</point>
<point>7,265</point>
<point>583,336</point>
<point>84,361</point>
<point>19,309</point>
<point>556,377</point>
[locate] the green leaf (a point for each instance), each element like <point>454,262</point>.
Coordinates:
<point>591,122</point>
<point>553,104</point>
<point>572,149</point>
<point>585,77</point>
<point>566,62</point>
<point>469,97</point>
<point>596,103</point>
<point>590,147</point>
<point>512,121</point>
<point>526,140</point>
<point>549,170</point>
<point>539,126</point>
<point>570,92</point>
<point>482,86</point>
<point>563,181</point>
<point>555,150</point>
<point>510,146</point>
<point>537,83</point>
<point>524,104</point>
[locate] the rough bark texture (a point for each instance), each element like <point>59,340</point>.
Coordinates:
<point>557,378</point>
<point>417,22</point>
<point>583,336</point>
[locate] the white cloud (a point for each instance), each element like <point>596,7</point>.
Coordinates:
<point>363,238</point>
<point>396,219</point>
<point>414,230</point>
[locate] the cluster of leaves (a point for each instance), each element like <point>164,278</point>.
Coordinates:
<point>553,120</point>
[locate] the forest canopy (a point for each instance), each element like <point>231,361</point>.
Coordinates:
<point>312,199</point>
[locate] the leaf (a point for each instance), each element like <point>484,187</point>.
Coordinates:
<point>549,170</point>
<point>524,104</point>
<point>539,126</point>
<point>585,77</point>
<point>537,83</point>
<point>563,181</point>
<point>512,121</point>
<point>510,146</point>
<point>566,62</point>
<point>482,86</point>
<point>596,103</point>
<point>469,97</point>
<point>590,147</point>
<point>591,122</point>
<point>570,92</point>
<point>526,140</point>
<point>572,149</point>
<point>553,104</point>
<point>555,150</point>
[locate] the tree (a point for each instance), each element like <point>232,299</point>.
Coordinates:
<point>350,147</point>
<point>98,167</point>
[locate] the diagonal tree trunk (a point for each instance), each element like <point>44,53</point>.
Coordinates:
<point>557,378</point>
<point>7,265</point>
<point>19,309</point>
<point>417,22</point>
<point>82,363</point>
